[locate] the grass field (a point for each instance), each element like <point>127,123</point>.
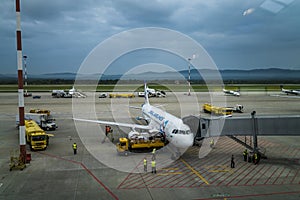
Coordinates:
<point>139,87</point>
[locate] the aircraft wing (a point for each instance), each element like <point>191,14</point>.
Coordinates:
<point>133,126</point>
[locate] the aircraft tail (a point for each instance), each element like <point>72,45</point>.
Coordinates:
<point>146,94</point>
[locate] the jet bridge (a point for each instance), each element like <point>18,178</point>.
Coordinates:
<point>252,125</point>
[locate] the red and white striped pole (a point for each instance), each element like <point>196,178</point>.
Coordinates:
<point>20,85</point>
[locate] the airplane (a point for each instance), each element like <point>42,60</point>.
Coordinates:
<point>231,92</point>
<point>172,128</point>
<point>152,93</point>
<point>74,93</point>
<point>294,92</point>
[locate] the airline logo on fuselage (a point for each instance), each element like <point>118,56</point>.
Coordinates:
<point>156,115</point>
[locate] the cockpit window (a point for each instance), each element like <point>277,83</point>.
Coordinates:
<point>175,131</point>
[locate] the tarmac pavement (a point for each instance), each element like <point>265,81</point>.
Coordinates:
<point>57,173</point>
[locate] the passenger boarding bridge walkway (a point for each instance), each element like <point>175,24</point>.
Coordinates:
<point>252,125</point>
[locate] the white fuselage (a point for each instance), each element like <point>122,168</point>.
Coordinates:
<point>295,92</point>
<point>231,92</point>
<point>175,130</point>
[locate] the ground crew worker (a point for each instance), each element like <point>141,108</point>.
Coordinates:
<point>245,154</point>
<point>212,143</point>
<point>107,130</point>
<point>153,154</point>
<point>232,164</point>
<point>145,164</point>
<point>255,158</point>
<point>75,148</point>
<point>153,164</point>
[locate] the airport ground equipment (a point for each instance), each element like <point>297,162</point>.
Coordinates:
<point>36,137</point>
<point>253,125</point>
<point>208,108</point>
<point>121,95</point>
<point>238,108</point>
<point>44,120</point>
<point>40,111</point>
<point>15,161</point>
<point>126,145</point>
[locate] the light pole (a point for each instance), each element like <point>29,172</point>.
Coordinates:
<point>189,78</point>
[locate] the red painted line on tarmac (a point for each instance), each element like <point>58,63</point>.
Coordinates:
<point>278,176</point>
<point>243,170</point>
<point>100,182</point>
<point>60,158</point>
<point>220,160</point>
<point>129,174</point>
<point>296,152</point>
<point>252,195</point>
<point>254,174</point>
<point>295,176</point>
<point>286,177</point>
<point>213,174</point>
<point>250,164</point>
<point>85,168</point>
<point>263,173</point>
<point>271,175</point>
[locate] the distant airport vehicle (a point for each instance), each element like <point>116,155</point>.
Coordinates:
<point>293,92</point>
<point>152,93</point>
<point>27,94</point>
<point>36,137</point>
<point>208,108</point>
<point>36,97</point>
<point>45,121</point>
<point>238,108</point>
<point>121,95</point>
<point>69,94</point>
<point>170,127</point>
<point>103,95</point>
<point>231,92</point>
<point>40,111</point>
<point>58,93</point>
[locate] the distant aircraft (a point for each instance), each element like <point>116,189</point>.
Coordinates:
<point>171,127</point>
<point>294,92</point>
<point>75,93</point>
<point>231,92</point>
<point>152,93</point>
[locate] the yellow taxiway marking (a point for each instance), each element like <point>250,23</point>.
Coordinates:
<point>195,172</point>
<point>176,168</point>
<point>169,173</point>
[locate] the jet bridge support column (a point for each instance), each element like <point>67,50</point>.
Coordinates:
<point>254,130</point>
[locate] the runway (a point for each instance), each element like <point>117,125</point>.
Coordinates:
<point>58,174</point>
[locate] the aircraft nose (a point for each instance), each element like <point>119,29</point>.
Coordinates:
<point>184,141</point>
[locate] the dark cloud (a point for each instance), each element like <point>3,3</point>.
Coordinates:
<point>58,35</point>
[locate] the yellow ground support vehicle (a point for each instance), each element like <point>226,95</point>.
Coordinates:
<point>208,108</point>
<point>40,111</point>
<point>121,95</point>
<point>36,137</point>
<point>125,145</point>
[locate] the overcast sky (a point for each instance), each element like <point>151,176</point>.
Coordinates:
<point>57,35</point>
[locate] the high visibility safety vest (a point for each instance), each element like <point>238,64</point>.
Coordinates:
<point>153,151</point>
<point>74,146</point>
<point>153,163</point>
<point>255,156</point>
<point>212,142</point>
<point>245,152</point>
<point>145,162</point>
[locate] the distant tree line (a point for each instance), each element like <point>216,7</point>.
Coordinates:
<point>114,81</point>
